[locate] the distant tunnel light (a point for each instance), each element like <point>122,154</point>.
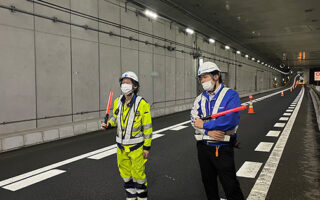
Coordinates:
<point>212,41</point>
<point>238,52</point>
<point>151,14</point>
<point>262,63</point>
<point>189,31</point>
<point>247,56</point>
<point>258,61</point>
<point>266,64</point>
<point>227,47</point>
<point>252,58</point>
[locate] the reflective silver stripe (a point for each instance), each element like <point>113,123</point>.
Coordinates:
<point>203,106</point>
<point>136,129</point>
<point>131,118</point>
<point>131,190</point>
<point>113,119</point>
<point>130,141</point>
<point>140,181</point>
<point>139,191</point>
<point>127,179</point>
<point>147,126</point>
<point>219,100</point>
<point>138,135</point>
<point>119,135</point>
<point>148,136</point>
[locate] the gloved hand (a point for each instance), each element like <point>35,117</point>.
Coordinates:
<point>105,126</point>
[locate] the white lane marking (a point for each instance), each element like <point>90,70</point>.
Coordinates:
<point>264,146</point>
<point>279,125</point>
<point>32,180</point>
<point>249,169</point>
<point>178,128</point>
<point>286,114</point>
<point>103,154</point>
<point>49,167</point>
<point>70,160</point>
<point>284,119</point>
<point>291,107</point>
<point>261,186</point>
<point>289,111</point>
<point>273,133</point>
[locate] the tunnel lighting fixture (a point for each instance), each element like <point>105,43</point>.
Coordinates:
<point>189,31</point>
<point>252,58</point>
<point>247,56</point>
<point>258,61</point>
<point>262,63</point>
<point>266,64</point>
<point>238,52</point>
<point>151,14</point>
<point>212,41</point>
<point>227,47</point>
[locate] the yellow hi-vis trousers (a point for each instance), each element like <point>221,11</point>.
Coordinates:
<point>131,165</point>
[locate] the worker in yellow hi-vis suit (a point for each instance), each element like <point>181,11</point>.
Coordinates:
<point>131,115</point>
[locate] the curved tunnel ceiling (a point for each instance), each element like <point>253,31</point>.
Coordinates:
<point>286,31</point>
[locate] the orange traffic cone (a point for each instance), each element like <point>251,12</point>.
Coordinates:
<point>250,110</point>
<point>282,94</point>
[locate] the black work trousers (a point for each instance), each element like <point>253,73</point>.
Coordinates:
<point>222,166</point>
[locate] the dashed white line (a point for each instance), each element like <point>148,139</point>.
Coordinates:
<point>32,180</point>
<point>249,169</point>
<point>264,146</point>
<point>286,114</point>
<point>178,128</point>
<point>289,111</point>
<point>279,125</point>
<point>284,119</point>
<point>273,133</point>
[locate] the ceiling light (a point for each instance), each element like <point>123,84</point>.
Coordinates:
<point>227,47</point>
<point>212,40</point>
<point>247,56</point>
<point>252,58</point>
<point>262,63</point>
<point>151,14</point>
<point>239,52</point>
<point>189,31</point>
<point>258,61</point>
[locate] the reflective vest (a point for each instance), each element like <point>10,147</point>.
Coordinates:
<point>133,122</point>
<point>199,133</point>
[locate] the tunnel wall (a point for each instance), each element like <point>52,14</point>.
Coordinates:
<point>54,73</point>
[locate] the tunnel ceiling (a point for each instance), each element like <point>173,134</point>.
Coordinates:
<point>274,31</point>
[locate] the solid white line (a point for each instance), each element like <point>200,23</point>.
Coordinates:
<point>249,169</point>
<point>32,180</point>
<point>286,114</point>
<point>261,187</point>
<point>284,119</point>
<point>264,146</point>
<point>103,154</point>
<point>279,125</point>
<point>178,128</point>
<point>273,133</point>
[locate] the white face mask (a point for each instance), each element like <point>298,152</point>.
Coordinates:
<point>208,86</point>
<point>126,89</point>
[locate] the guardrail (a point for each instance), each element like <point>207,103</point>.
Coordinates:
<point>315,96</point>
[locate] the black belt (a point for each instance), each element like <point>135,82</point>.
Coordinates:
<point>135,147</point>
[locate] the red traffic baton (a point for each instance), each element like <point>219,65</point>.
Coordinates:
<point>225,112</point>
<point>108,106</point>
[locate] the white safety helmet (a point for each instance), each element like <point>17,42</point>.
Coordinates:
<point>208,67</point>
<point>130,75</point>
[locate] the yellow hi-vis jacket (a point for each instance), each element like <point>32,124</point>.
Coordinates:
<point>133,121</point>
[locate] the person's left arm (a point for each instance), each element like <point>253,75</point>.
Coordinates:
<point>147,128</point>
